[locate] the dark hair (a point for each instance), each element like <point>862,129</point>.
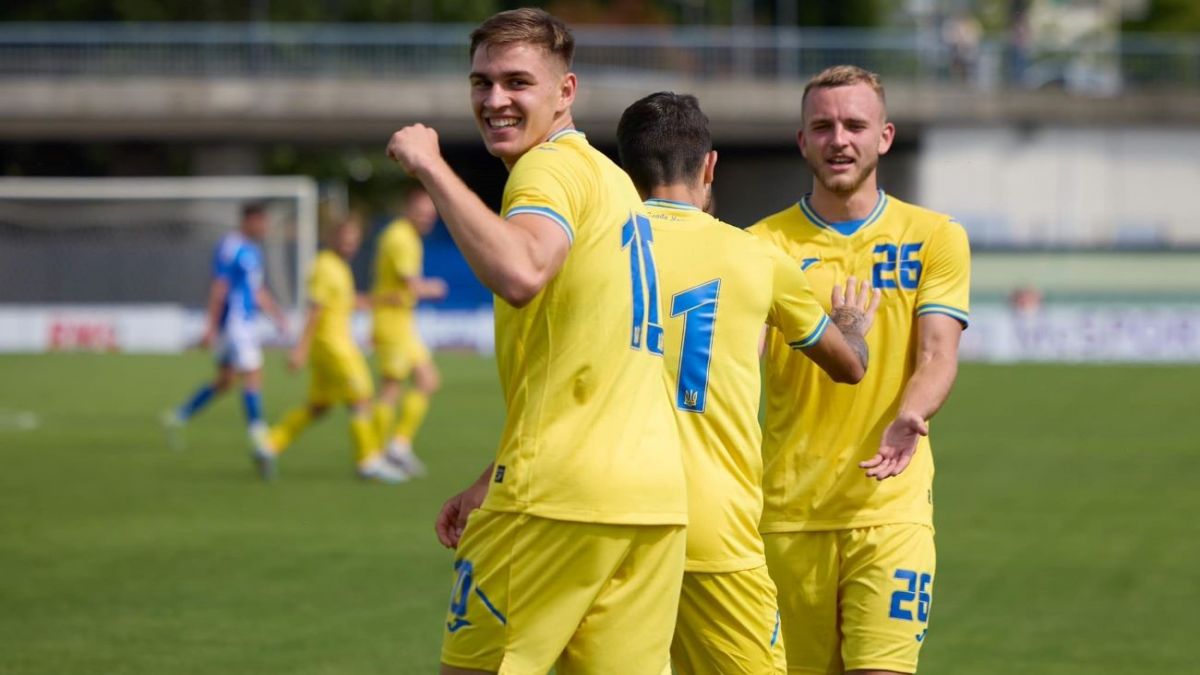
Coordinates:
<point>662,139</point>
<point>526,25</point>
<point>253,209</point>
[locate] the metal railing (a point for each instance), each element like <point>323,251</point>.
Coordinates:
<point>1129,62</point>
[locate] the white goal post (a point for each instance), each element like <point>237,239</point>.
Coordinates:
<point>118,255</point>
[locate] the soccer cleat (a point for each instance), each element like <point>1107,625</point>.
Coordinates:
<point>379,469</point>
<point>264,463</point>
<point>400,454</point>
<point>172,425</point>
<point>262,453</point>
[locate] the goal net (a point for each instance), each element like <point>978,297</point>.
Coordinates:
<point>125,263</point>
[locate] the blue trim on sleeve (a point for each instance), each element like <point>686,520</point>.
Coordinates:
<point>813,337</point>
<point>952,312</point>
<point>548,213</point>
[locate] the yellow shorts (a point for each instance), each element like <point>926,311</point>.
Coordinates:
<point>854,599</point>
<point>728,623</point>
<point>397,359</point>
<point>338,377</point>
<point>531,593</point>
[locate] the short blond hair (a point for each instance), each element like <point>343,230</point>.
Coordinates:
<point>844,76</point>
<point>527,25</point>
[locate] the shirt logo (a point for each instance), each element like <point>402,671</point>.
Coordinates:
<point>808,262</point>
<point>499,474</point>
<point>690,398</point>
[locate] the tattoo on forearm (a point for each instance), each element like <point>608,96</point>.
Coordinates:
<point>852,323</point>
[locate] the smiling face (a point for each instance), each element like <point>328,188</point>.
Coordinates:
<point>843,136</point>
<point>520,94</point>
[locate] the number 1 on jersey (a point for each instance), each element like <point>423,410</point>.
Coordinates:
<point>698,304</point>
<point>637,237</point>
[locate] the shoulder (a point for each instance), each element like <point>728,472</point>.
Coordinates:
<point>934,220</point>
<point>777,222</point>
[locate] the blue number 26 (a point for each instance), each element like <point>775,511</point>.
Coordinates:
<point>916,588</point>
<point>884,274</point>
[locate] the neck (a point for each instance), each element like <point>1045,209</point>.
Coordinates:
<point>561,122</point>
<point>837,207</point>
<point>696,195</point>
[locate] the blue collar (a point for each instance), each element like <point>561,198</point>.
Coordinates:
<point>845,227</point>
<point>671,204</point>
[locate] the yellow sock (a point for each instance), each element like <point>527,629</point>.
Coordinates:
<point>412,414</point>
<point>362,430</point>
<point>385,417</point>
<point>282,434</point>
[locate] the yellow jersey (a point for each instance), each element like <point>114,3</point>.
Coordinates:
<point>720,285</point>
<point>331,287</point>
<point>816,431</point>
<point>398,258</point>
<point>589,433</point>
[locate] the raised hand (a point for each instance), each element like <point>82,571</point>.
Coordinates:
<point>414,147</point>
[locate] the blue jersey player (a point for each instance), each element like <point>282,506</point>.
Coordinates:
<point>236,297</point>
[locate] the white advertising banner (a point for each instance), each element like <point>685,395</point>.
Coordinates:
<point>1085,333</point>
<point>1117,333</point>
<point>169,328</point>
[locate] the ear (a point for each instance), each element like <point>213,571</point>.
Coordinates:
<point>886,137</point>
<point>800,142</point>
<point>566,94</point>
<point>710,167</point>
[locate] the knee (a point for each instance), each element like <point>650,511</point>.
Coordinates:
<point>429,380</point>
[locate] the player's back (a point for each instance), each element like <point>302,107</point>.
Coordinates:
<point>238,261</point>
<point>720,286</point>
<point>920,261</point>
<point>589,434</point>
<point>331,286</point>
<point>398,257</point>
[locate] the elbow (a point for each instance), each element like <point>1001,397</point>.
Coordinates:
<point>850,373</point>
<point>519,290</point>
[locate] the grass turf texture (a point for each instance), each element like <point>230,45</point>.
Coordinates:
<point>1066,515</point>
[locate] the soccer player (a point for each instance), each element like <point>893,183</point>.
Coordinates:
<point>235,297</point>
<point>337,369</point>
<point>398,287</point>
<point>722,285</point>
<point>853,557</point>
<point>576,556</point>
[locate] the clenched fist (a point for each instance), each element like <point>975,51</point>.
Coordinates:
<point>414,148</point>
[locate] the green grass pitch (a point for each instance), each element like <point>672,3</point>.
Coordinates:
<point>1067,517</point>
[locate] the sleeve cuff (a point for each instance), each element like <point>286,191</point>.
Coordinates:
<point>953,312</point>
<point>547,213</point>
<point>814,337</point>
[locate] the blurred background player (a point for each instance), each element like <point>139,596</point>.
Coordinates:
<point>717,275</point>
<point>235,297</point>
<point>338,371</point>
<point>399,286</point>
<point>853,557</point>
<point>575,558</point>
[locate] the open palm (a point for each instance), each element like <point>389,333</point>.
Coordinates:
<point>897,446</point>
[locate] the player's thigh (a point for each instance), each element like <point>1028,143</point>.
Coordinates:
<point>804,567</point>
<point>393,359</point>
<point>477,621</point>
<point>887,589</point>
<point>348,376</point>
<point>524,586</point>
<point>323,381</point>
<point>728,624</point>
<point>630,621</point>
